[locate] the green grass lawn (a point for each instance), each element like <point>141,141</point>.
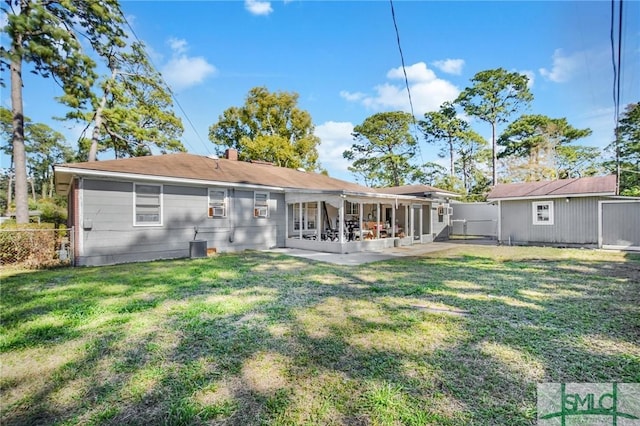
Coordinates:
<point>456,337</point>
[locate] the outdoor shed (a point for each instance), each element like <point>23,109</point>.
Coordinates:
<point>583,212</point>
<point>175,205</point>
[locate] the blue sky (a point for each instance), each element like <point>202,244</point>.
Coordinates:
<point>342,59</point>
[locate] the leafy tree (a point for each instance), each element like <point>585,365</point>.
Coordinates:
<point>46,34</point>
<point>268,127</point>
<point>384,146</point>
<point>473,157</point>
<point>444,126</point>
<point>628,145</point>
<point>44,148</point>
<point>494,96</point>
<point>429,174</point>
<point>134,114</point>
<point>536,138</point>
<point>574,161</point>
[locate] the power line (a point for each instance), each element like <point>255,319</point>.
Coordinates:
<point>406,79</point>
<point>173,96</point>
<point>616,61</point>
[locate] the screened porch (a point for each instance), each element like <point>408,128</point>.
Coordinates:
<point>342,223</point>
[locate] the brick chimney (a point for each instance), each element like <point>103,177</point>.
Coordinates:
<point>231,154</point>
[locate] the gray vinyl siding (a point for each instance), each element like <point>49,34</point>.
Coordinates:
<point>621,224</point>
<point>109,235</point>
<point>440,230</point>
<point>575,222</point>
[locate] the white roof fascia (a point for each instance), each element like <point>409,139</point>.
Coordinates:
<point>444,194</point>
<point>165,179</point>
<point>545,197</point>
<point>357,194</point>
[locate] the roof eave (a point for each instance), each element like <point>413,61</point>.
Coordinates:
<point>78,172</point>
<point>356,194</point>
<point>539,197</point>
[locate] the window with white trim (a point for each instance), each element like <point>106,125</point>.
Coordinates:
<point>217,203</point>
<point>148,204</point>
<point>260,204</point>
<point>351,208</point>
<point>542,212</point>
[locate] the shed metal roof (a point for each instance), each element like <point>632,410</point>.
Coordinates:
<point>575,187</point>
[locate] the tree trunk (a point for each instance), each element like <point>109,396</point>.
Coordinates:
<point>51,185</point>
<point>33,189</point>
<point>451,158</point>
<point>97,125</point>
<point>495,153</point>
<point>9,190</point>
<point>19,154</point>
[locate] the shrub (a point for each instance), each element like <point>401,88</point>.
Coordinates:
<point>30,245</point>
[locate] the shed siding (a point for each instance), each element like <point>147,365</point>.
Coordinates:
<point>575,222</point>
<point>109,235</point>
<point>621,224</point>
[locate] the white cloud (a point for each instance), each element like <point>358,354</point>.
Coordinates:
<point>178,45</point>
<point>258,7</point>
<point>335,138</point>
<point>531,75</point>
<point>352,96</point>
<point>415,72</point>
<point>450,66</point>
<point>563,67</point>
<point>428,91</point>
<point>183,71</point>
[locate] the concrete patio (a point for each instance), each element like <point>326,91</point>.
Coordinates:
<point>360,258</point>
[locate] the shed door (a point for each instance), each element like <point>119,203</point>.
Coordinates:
<point>620,224</point>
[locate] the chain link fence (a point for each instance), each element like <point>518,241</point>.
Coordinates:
<point>38,246</point>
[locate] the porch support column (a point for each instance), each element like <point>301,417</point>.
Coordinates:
<point>341,219</point>
<point>361,207</point>
<point>421,221</point>
<point>300,221</point>
<point>407,224</point>
<point>318,219</point>
<point>286,223</point>
<point>378,220</point>
<point>393,219</point>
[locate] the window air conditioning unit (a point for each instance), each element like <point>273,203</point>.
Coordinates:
<point>260,212</point>
<point>216,212</point>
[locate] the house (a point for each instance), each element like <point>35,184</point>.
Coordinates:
<point>442,211</point>
<point>156,207</point>
<point>582,212</point>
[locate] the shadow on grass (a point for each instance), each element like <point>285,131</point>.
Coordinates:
<point>257,338</point>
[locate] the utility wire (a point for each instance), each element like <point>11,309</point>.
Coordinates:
<point>175,98</point>
<point>616,61</point>
<point>406,79</point>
